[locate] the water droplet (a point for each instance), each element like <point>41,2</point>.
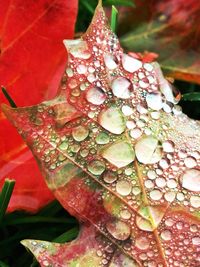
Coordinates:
<point>131,64</point>
<point>171,183</point>
<point>110,61</point>
<point>191,180</point>
<point>196,241</point>
<point>122,88</point>
<point>109,177</point>
<point>190,162</point>
<point>160,182</point>
<point>170,196</point>
<point>135,133</point>
<point>154,101</point>
<point>112,120</point>
<point>195,201</point>
<point>102,138</point>
<point>148,67</point>
<point>119,229</point>
<point>151,174</point>
<point>148,150</point>
<point>80,133</point>
<point>127,110</point>
<point>119,154</point>
<point>96,167</point>
<point>142,243</point>
<point>95,96</point>
<point>156,194</point>
<point>168,146</point>
<point>91,78</point>
<point>69,72</point>
<point>81,69</point>
<point>123,187</point>
<point>64,145</point>
<point>166,235</point>
<point>125,214</point>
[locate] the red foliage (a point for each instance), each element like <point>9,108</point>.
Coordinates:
<point>31,63</point>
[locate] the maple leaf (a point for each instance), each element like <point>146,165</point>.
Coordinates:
<point>168,28</point>
<point>119,155</point>
<point>31,62</point>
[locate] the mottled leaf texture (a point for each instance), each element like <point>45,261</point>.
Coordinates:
<point>32,60</point>
<point>118,154</point>
<point>169,28</point>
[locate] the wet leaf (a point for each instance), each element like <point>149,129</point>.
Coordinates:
<point>31,62</point>
<point>134,183</point>
<point>168,28</point>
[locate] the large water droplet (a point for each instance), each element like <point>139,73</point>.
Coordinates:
<point>119,229</point>
<point>109,177</point>
<point>102,138</point>
<point>64,145</point>
<point>154,101</point>
<point>110,61</point>
<point>123,187</point>
<point>142,243</point>
<point>148,150</point>
<point>166,235</point>
<point>95,96</point>
<point>80,133</point>
<point>112,120</point>
<point>168,146</point>
<point>122,88</point>
<point>131,64</point>
<point>191,180</point>
<point>195,201</point>
<point>119,154</point>
<point>96,167</point>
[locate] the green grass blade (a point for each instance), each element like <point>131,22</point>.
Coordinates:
<point>195,96</point>
<point>114,15</point>
<point>67,236</point>
<point>8,97</point>
<point>5,196</point>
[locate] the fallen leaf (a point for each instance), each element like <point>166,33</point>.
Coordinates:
<point>125,163</point>
<point>31,62</point>
<point>168,28</point>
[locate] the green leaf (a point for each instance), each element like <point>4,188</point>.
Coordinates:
<point>114,16</point>
<point>5,196</point>
<point>119,3</point>
<point>191,96</point>
<point>8,97</point>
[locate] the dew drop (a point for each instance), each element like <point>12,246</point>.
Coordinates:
<point>195,201</point>
<point>80,133</point>
<point>64,145</point>
<point>110,61</point>
<point>168,146</point>
<point>156,194</point>
<point>102,138</point>
<point>127,110</point>
<point>154,101</point>
<point>191,180</point>
<point>122,88</point>
<point>119,154</point>
<point>196,241</point>
<point>166,235</point>
<point>125,214</point>
<point>131,64</point>
<point>81,69</point>
<point>148,150</point>
<point>123,188</point>
<point>112,120</point>
<point>109,177</point>
<point>142,243</point>
<point>96,167</point>
<point>135,133</point>
<point>96,96</point>
<point>190,162</point>
<point>119,230</point>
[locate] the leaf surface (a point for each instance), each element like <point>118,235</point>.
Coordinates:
<point>170,29</point>
<point>31,62</point>
<point>120,156</point>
